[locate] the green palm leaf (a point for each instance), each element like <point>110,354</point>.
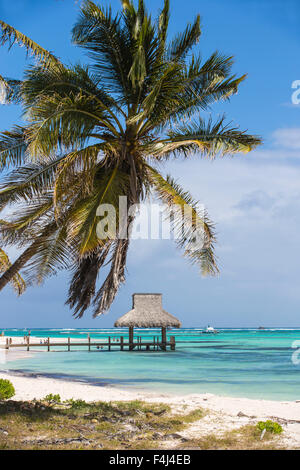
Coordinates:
<point>12,36</point>
<point>17,282</point>
<point>12,147</point>
<point>209,139</point>
<point>194,231</point>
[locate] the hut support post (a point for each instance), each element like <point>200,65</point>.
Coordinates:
<point>131,338</point>
<point>164,338</point>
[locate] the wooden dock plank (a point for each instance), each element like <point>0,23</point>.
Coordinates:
<point>140,345</point>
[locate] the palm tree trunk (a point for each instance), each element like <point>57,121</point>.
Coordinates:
<point>26,256</point>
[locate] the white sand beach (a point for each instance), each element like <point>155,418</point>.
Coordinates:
<point>224,413</point>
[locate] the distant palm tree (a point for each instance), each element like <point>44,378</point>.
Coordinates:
<point>94,133</point>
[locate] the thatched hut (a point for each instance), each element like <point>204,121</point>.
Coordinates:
<point>147,312</point>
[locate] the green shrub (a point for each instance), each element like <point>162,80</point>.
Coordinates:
<point>7,389</point>
<point>270,426</point>
<point>52,398</point>
<point>76,403</point>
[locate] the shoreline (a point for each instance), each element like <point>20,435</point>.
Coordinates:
<point>223,413</point>
<point>32,385</point>
<point>21,353</point>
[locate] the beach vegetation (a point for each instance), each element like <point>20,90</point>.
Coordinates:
<point>96,132</point>
<point>244,438</point>
<point>76,403</point>
<point>50,398</point>
<point>114,425</point>
<point>7,389</point>
<point>270,426</point>
<point>119,425</point>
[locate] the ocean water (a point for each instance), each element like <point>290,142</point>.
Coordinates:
<point>236,362</point>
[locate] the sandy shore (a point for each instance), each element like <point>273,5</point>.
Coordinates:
<point>225,413</point>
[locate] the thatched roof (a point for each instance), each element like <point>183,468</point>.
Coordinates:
<point>147,312</point>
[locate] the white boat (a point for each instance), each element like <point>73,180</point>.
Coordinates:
<point>210,330</point>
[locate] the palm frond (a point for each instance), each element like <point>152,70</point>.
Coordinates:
<point>12,36</point>
<point>210,139</point>
<point>12,147</point>
<point>163,22</point>
<point>83,219</point>
<point>17,282</point>
<point>9,90</point>
<point>77,168</point>
<point>194,231</point>
<point>83,284</point>
<point>18,227</point>
<point>53,255</point>
<point>28,182</point>
<point>183,42</point>
<point>27,254</point>
<point>116,276</point>
<point>100,34</point>
<point>64,124</point>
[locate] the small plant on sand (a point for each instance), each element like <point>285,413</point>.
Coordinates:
<point>270,426</point>
<point>7,389</point>
<point>52,398</point>
<point>76,403</point>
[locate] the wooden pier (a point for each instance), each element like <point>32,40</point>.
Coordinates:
<point>112,343</point>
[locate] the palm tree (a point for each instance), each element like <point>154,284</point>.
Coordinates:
<point>94,133</point>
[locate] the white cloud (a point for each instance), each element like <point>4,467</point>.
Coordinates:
<point>288,138</point>
<point>256,200</point>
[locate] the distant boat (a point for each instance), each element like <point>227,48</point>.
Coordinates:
<point>210,331</point>
<point>261,328</point>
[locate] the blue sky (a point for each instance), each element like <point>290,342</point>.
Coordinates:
<point>254,199</point>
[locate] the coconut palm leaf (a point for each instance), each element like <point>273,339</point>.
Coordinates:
<point>116,276</point>
<point>77,167</point>
<point>12,147</point>
<point>193,229</point>
<point>83,218</point>
<point>54,254</point>
<point>19,223</point>
<point>83,285</point>
<point>27,182</point>
<point>100,34</point>
<point>31,250</point>
<point>63,81</point>
<point>12,36</point>
<point>64,124</point>
<point>209,139</point>
<point>183,42</point>
<point>9,90</point>
<point>17,281</point>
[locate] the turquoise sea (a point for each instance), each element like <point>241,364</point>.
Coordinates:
<point>236,362</point>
